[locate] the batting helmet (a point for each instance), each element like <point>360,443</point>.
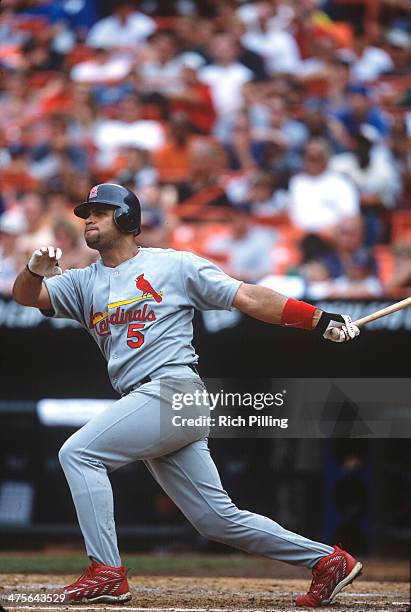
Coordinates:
<point>127,210</point>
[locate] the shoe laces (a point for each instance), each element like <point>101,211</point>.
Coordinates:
<point>88,573</point>
<point>316,586</point>
<point>316,575</point>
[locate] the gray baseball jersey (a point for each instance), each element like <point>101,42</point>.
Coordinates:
<point>140,313</point>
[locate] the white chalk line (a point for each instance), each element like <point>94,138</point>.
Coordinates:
<point>130,609</point>
<point>101,607</point>
<point>33,587</point>
<point>137,609</point>
<point>153,609</point>
<point>344,594</point>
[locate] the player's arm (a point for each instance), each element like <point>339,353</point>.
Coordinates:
<point>272,307</point>
<point>29,289</point>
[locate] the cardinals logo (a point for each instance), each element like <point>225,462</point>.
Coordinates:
<point>144,286</point>
<point>93,192</point>
<point>116,314</point>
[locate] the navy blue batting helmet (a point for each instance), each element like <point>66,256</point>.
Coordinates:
<point>127,210</point>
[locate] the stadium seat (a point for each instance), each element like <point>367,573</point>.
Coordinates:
<point>401,226</point>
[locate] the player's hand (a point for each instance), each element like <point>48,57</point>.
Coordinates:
<point>44,262</point>
<point>336,327</point>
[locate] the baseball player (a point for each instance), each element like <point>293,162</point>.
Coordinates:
<point>137,304</point>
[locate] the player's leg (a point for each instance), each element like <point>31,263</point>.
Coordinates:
<point>138,426</point>
<point>190,477</point>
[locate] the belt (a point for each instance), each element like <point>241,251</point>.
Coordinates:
<point>148,379</point>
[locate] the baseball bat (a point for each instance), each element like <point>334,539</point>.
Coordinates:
<point>383,312</point>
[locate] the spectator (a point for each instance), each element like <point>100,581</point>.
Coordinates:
<point>347,269</point>
<point>130,128</point>
<point>241,146</point>
<point>204,185</point>
<point>316,66</point>
<point>360,110</point>
<point>399,48</point>
<point>56,155</point>
<point>58,205</point>
<point>347,246</point>
<point>125,27</point>
<point>165,62</point>
<point>358,280</point>
<point>38,54</point>
<point>11,226</point>
<point>369,168</point>
<point>260,16</point>
<point>273,43</point>
<point>264,197</point>
<point>400,156</point>
<point>317,280</point>
<point>75,253</point>
<point>195,33</point>
<point>274,156</point>
<point>292,133</point>
<point>338,83</point>
<point>38,231</point>
<point>399,283</point>
<point>102,67</point>
<point>226,77</point>
<point>137,169</point>
<point>172,159</point>
<point>109,95</point>
<point>280,143</point>
<point>367,62</point>
<point>156,221</point>
<point>251,99</point>
<point>194,99</point>
<point>320,125</point>
<point>82,113</point>
<point>78,187</point>
<point>320,198</point>
<point>16,176</point>
<point>74,15</point>
<point>17,103</point>
<point>245,249</point>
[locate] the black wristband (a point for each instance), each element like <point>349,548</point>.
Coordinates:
<point>33,273</point>
<point>324,321</point>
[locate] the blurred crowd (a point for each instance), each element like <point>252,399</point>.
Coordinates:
<point>272,137</point>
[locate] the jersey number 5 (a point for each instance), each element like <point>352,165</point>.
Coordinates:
<point>135,337</point>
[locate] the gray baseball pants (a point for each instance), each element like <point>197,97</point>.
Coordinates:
<point>139,427</point>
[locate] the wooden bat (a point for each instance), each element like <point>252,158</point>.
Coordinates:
<point>383,312</point>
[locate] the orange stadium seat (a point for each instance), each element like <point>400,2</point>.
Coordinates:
<point>166,23</point>
<point>401,226</point>
<point>385,262</point>
<point>22,181</point>
<point>79,53</point>
<point>285,254</point>
<point>40,78</point>
<point>32,25</point>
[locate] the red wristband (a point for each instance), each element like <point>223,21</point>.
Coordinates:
<point>298,314</point>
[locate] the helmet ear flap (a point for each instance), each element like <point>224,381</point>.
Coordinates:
<point>127,221</point>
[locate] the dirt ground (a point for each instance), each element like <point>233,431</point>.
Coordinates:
<point>195,594</point>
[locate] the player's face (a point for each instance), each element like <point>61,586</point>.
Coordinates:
<point>100,231</point>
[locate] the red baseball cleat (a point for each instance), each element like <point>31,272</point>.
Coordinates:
<point>330,575</point>
<point>99,584</point>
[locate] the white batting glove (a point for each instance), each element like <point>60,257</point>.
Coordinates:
<point>44,262</point>
<point>336,327</point>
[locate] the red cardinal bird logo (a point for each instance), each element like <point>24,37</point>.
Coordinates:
<point>144,286</point>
